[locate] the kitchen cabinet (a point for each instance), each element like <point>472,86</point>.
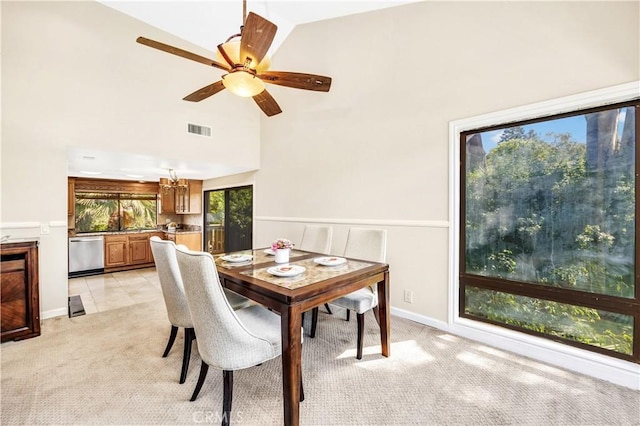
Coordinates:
<point>180,200</point>
<point>115,251</point>
<point>138,249</point>
<point>19,282</point>
<point>71,196</point>
<point>189,201</point>
<point>192,240</point>
<point>130,251</point>
<point>166,198</point>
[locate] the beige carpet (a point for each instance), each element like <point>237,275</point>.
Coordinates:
<point>106,369</point>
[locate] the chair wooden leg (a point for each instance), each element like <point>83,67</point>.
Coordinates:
<point>314,321</point>
<point>326,306</point>
<point>301,388</point>
<point>360,335</point>
<point>189,335</point>
<point>376,314</point>
<point>172,338</point>
<point>204,367</point>
<point>227,396</point>
<point>348,314</point>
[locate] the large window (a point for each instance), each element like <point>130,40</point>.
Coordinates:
<point>102,211</point>
<point>548,236</point>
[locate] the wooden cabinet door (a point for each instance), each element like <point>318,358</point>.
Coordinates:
<point>115,251</point>
<point>195,196</point>
<point>71,196</point>
<point>138,249</point>
<point>14,295</point>
<point>20,302</point>
<point>189,200</point>
<point>182,200</point>
<point>193,241</point>
<point>166,198</point>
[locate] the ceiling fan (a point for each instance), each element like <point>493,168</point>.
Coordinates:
<point>246,64</point>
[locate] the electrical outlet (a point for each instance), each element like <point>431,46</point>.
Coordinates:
<point>408,296</point>
<point>44,229</point>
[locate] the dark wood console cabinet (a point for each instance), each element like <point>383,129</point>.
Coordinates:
<point>19,291</point>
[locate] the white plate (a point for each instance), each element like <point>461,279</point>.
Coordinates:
<point>235,258</point>
<point>330,260</point>
<point>270,252</point>
<point>286,270</point>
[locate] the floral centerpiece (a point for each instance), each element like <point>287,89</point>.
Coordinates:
<point>281,248</point>
<point>281,243</point>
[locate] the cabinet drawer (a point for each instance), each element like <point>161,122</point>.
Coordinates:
<point>13,265</point>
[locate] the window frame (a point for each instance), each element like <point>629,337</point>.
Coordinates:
<point>115,189</point>
<point>613,304</point>
<point>571,357</point>
<point>226,194</point>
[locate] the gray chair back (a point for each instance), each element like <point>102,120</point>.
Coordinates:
<point>223,340</point>
<point>367,244</point>
<point>316,238</point>
<point>164,255</point>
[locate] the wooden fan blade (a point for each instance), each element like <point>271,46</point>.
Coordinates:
<point>257,36</point>
<point>297,80</point>
<point>182,53</point>
<point>267,104</point>
<point>205,92</point>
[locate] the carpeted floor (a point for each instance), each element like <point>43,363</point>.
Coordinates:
<point>106,369</point>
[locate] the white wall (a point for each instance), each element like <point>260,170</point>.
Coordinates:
<point>374,150</point>
<point>74,76</point>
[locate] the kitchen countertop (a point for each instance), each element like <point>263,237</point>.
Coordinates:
<point>181,231</point>
<point>142,231</point>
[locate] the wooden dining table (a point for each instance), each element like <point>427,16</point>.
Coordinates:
<point>291,296</point>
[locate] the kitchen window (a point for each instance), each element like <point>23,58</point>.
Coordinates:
<point>548,233</point>
<point>109,212</point>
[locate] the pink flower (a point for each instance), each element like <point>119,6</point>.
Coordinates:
<point>281,243</point>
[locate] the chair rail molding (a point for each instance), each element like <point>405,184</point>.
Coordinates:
<point>369,222</point>
<point>28,225</point>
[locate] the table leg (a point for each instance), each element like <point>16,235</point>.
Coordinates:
<point>383,313</point>
<point>290,324</point>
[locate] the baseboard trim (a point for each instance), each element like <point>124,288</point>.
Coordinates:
<point>619,372</point>
<point>421,319</point>
<point>54,313</point>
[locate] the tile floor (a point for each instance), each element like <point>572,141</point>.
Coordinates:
<point>110,291</point>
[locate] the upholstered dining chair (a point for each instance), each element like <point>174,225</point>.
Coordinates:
<point>365,244</point>
<point>316,238</point>
<point>227,340</point>
<point>164,255</point>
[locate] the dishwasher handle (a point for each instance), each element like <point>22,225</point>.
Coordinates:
<point>85,239</point>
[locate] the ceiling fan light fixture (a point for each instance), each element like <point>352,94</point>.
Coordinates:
<point>232,49</point>
<point>243,84</point>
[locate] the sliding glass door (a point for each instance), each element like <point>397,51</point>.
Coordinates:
<point>228,219</point>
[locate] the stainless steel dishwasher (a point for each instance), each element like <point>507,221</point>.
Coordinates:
<point>86,255</point>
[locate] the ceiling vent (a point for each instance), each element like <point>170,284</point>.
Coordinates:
<point>196,129</point>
